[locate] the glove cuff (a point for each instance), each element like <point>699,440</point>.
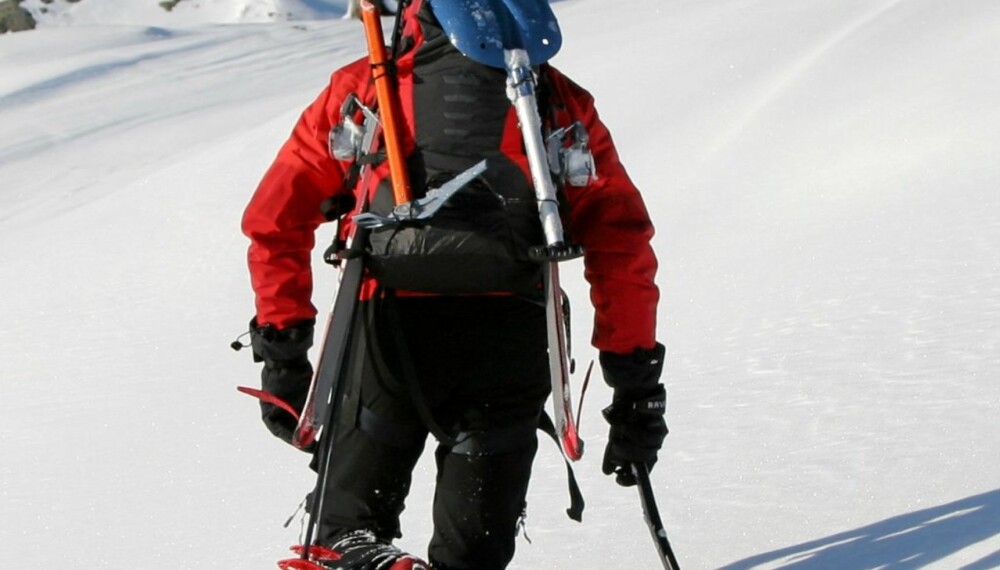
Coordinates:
<point>633,374</point>
<point>281,347</point>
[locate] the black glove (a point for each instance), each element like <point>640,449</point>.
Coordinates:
<point>287,372</point>
<point>637,412</point>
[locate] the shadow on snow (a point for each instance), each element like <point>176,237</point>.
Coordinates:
<point>907,541</point>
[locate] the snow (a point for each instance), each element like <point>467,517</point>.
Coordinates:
<point>184,12</point>
<point>825,183</point>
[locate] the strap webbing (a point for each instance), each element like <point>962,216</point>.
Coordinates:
<point>383,305</point>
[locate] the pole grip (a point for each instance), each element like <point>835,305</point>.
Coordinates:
<point>388,104</point>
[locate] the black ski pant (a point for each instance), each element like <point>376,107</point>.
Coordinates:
<point>478,367</point>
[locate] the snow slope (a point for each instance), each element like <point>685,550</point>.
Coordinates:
<point>825,182</point>
<point>184,12</point>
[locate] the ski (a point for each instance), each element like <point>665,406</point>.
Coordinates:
<point>341,319</point>
<point>328,386</point>
<point>339,323</point>
<point>559,364</point>
<point>332,355</point>
<point>652,516</point>
<point>522,91</point>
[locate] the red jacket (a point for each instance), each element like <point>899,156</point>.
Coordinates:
<point>607,216</point>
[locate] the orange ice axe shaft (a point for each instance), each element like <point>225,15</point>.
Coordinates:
<point>388,102</point>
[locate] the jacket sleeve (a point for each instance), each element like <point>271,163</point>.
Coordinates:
<point>285,210</point>
<point>609,218</point>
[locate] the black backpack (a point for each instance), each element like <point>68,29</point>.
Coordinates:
<point>478,242</point>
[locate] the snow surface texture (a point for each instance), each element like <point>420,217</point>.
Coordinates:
<point>184,12</point>
<point>826,184</point>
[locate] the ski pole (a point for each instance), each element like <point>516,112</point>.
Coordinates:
<point>652,516</point>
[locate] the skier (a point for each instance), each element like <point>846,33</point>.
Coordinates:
<point>470,368</point>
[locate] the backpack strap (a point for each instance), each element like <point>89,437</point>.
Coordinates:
<point>551,107</point>
<point>382,306</point>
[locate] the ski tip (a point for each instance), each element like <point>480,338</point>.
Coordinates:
<point>304,437</point>
<point>269,398</point>
<point>572,446</point>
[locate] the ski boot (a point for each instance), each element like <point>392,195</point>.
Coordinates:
<point>356,550</point>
